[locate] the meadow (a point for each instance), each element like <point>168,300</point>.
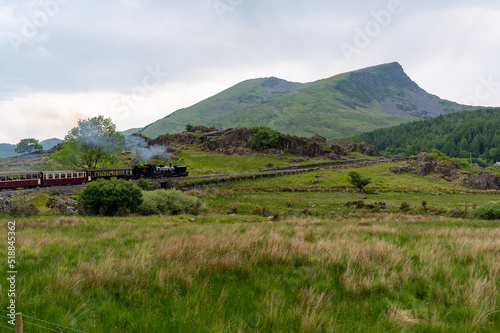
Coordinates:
<point>285,254</point>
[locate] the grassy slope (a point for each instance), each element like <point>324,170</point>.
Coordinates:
<point>344,270</point>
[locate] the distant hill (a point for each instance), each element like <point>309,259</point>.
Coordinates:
<point>131,131</point>
<point>344,105</point>
<point>49,143</point>
<point>7,150</point>
<point>463,134</point>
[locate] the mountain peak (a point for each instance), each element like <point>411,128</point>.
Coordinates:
<point>340,106</point>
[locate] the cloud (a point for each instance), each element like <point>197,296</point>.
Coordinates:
<point>90,53</point>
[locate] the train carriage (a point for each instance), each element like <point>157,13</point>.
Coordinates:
<point>63,177</point>
<point>15,179</point>
<point>123,173</point>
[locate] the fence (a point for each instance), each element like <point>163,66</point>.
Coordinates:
<point>39,326</point>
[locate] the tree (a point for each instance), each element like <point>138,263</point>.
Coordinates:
<point>189,128</point>
<point>109,197</point>
<point>28,146</point>
<point>358,181</point>
<point>94,142</point>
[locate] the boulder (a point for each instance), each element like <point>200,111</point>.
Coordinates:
<point>446,168</point>
<point>318,138</point>
<point>425,164</point>
<point>401,169</point>
<point>482,180</point>
<point>363,148</point>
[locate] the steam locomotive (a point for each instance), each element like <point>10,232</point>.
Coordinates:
<point>18,179</point>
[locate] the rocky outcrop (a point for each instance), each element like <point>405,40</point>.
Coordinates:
<point>236,141</point>
<point>63,205</point>
<point>363,148</point>
<point>401,169</point>
<point>5,202</point>
<point>446,168</point>
<point>425,164</point>
<point>482,180</point>
<point>185,138</point>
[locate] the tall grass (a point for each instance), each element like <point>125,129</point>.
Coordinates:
<point>299,275</point>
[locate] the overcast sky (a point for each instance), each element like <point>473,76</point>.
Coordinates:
<point>136,61</point>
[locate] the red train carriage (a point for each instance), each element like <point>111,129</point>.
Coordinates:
<point>63,177</point>
<point>14,179</point>
<point>124,173</point>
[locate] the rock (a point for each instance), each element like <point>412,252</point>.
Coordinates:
<point>363,148</point>
<point>318,138</point>
<point>289,203</point>
<point>425,164</point>
<point>334,157</point>
<point>446,168</point>
<point>482,180</point>
<point>401,169</point>
<point>5,202</point>
<point>269,165</point>
<point>63,205</point>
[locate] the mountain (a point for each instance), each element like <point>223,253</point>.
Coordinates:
<point>463,134</point>
<point>7,150</point>
<point>343,105</point>
<point>49,143</point>
<point>131,131</point>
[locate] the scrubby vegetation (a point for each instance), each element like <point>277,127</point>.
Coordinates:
<point>110,197</point>
<point>490,211</point>
<point>172,202</point>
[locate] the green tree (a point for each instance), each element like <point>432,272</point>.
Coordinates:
<point>108,197</point>
<point>264,138</point>
<point>358,181</point>
<point>94,142</point>
<point>189,128</point>
<point>28,146</point>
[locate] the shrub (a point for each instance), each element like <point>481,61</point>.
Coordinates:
<point>490,211</point>
<point>171,202</point>
<point>358,181</point>
<point>143,183</point>
<point>264,138</point>
<point>54,193</point>
<point>263,211</point>
<point>109,197</point>
<point>233,209</point>
<point>405,207</point>
<point>148,206</point>
<point>24,210</point>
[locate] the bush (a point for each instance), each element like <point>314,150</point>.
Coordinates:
<point>490,211</point>
<point>171,202</point>
<point>357,180</point>
<point>24,210</point>
<point>143,183</point>
<point>109,197</point>
<point>405,207</point>
<point>148,206</point>
<point>264,138</point>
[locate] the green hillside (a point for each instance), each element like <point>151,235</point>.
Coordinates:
<point>463,134</point>
<point>344,105</point>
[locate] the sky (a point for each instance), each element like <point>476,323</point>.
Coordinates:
<point>136,61</point>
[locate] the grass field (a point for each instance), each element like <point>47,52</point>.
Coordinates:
<point>389,272</point>
<point>320,265</point>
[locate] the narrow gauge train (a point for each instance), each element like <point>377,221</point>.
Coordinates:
<point>17,179</point>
